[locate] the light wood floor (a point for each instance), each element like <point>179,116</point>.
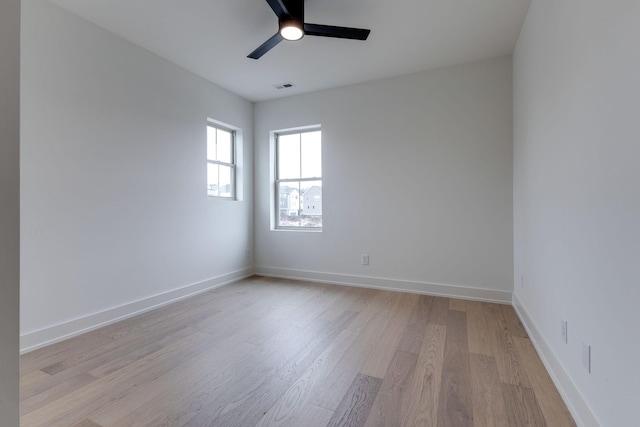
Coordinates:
<point>273,352</point>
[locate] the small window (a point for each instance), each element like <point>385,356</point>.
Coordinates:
<point>298,180</point>
<point>221,164</point>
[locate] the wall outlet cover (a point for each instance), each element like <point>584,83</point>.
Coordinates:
<point>586,357</point>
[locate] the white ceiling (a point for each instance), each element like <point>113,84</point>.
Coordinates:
<point>212,38</point>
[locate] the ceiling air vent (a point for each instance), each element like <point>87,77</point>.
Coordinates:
<point>283,86</point>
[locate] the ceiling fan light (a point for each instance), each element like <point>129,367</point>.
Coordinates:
<point>291,30</point>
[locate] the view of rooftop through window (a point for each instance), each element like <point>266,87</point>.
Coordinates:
<point>299,179</point>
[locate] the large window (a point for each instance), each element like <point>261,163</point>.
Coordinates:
<point>221,165</point>
<point>299,179</point>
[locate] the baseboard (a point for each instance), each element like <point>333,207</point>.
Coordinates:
<point>33,340</point>
<point>453,291</point>
<point>572,397</point>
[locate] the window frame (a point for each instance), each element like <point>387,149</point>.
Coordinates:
<point>233,165</point>
<point>277,180</point>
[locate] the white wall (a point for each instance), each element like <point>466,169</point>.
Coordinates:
<point>9,209</point>
<point>577,197</point>
<point>114,204</point>
<point>417,173</point>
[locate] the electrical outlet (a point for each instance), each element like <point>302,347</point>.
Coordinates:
<point>364,259</point>
<point>522,280</point>
<point>586,357</point>
<point>565,338</point>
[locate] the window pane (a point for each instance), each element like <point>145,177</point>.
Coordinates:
<point>225,181</point>
<point>289,156</point>
<point>300,204</point>
<point>289,204</point>
<point>221,166</point>
<point>299,157</point>
<point>223,146</point>
<point>211,143</point>
<point>311,155</point>
<point>311,203</point>
<point>212,179</point>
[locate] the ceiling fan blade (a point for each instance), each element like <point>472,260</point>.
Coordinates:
<point>279,8</point>
<point>338,32</point>
<point>266,46</point>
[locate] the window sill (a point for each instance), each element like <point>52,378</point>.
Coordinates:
<point>226,199</point>
<point>299,230</point>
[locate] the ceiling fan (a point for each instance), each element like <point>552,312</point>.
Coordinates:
<point>290,15</point>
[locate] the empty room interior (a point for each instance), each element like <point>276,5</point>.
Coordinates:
<point>430,217</point>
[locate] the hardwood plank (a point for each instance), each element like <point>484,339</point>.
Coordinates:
<point>555,412</point>
<point>348,297</point>
<point>411,341</point>
<point>133,328</point>
<point>288,411</point>
<point>317,302</point>
<point>59,390</point>
<point>386,345</point>
<point>270,391</point>
<point>479,334</point>
<point>251,314</point>
<point>420,408</point>
<point>278,322</point>
<point>522,407</point>
<point>514,325</point>
<point>455,407</point>
<point>87,423</point>
<point>394,390</point>
<point>457,304</point>
<point>379,305</point>
<point>245,374</point>
<point>312,415</point>
<point>509,366</point>
<point>165,333</point>
<point>180,402</point>
<point>486,391</point>
<point>248,399</point>
<point>166,321</point>
<point>357,402</point>
<point>31,379</point>
<point>49,355</point>
<point>106,361</point>
<point>78,404</point>
<point>153,396</point>
<point>130,354</point>
<point>362,298</point>
<point>329,392</point>
<point>439,314</point>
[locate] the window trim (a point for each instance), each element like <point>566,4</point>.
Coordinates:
<point>233,165</point>
<point>277,180</point>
